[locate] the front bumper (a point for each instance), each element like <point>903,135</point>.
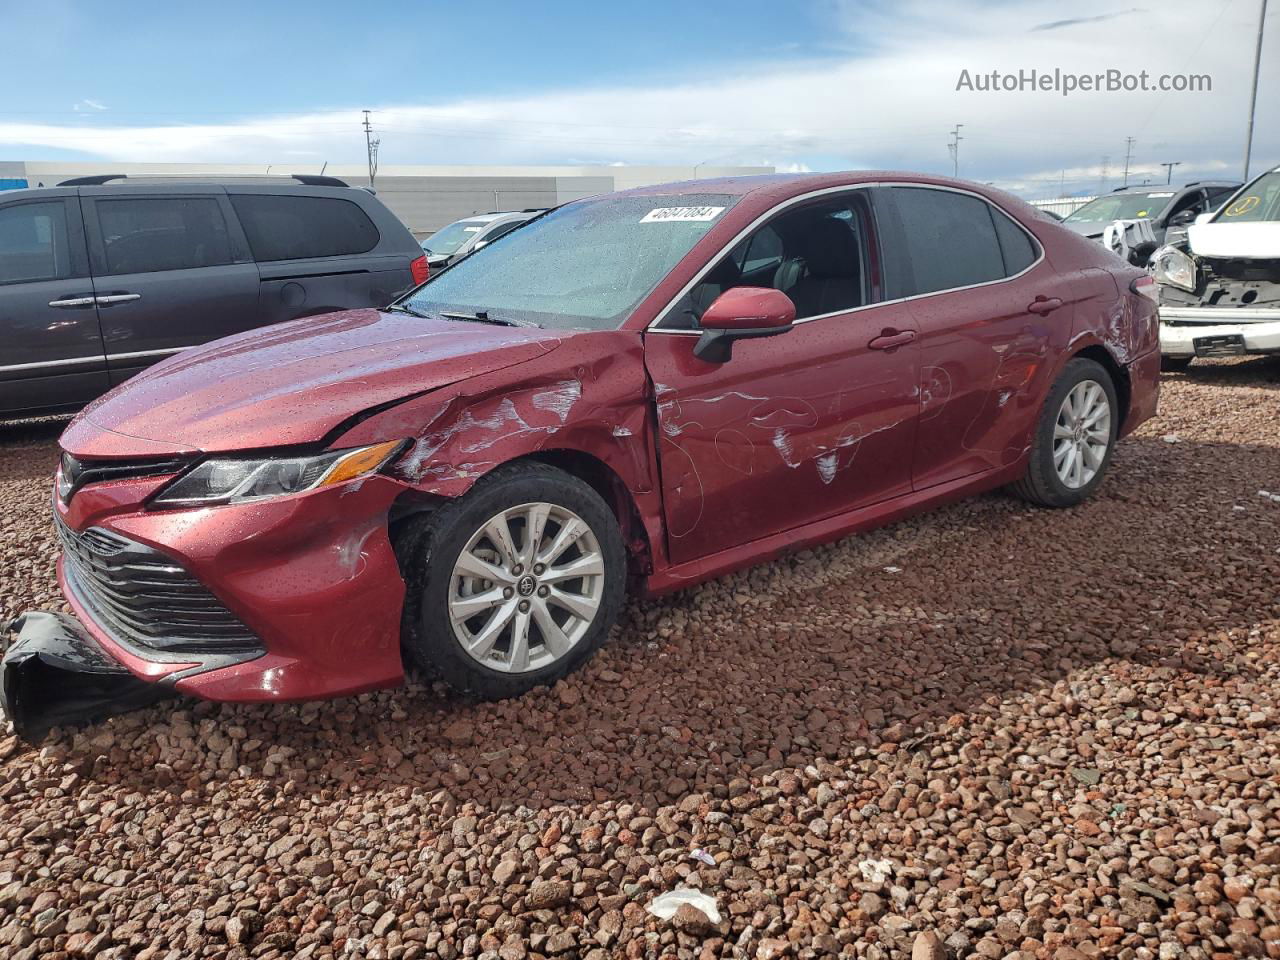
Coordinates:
<point>313,576</point>
<point>1181,326</point>
<point>56,674</point>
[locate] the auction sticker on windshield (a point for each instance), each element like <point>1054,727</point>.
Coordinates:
<point>695,214</point>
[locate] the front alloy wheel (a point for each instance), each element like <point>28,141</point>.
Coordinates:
<point>526,587</point>
<point>514,584</point>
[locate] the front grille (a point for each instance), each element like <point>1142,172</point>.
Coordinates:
<point>76,473</point>
<point>146,599</point>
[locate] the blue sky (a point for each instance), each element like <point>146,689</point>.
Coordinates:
<point>809,84</point>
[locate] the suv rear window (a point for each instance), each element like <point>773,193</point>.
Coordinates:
<point>162,233</point>
<point>299,228</point>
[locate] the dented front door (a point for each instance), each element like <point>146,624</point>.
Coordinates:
<point>793,428</point>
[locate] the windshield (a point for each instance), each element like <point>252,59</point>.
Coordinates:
<point>1122,206</point>
<point>448,239</point>
<point>1256,202</point>
<point>584,266</point>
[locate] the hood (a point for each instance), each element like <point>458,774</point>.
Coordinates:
<point>1259,240</point>
<point>292,383</point>
<point>1086,229</point>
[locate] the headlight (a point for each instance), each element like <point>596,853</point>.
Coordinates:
<point>237,480</point>
<point>1175,268</point>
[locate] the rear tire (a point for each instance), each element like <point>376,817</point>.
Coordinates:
<point>495,611</point>
<point>1068,459</point>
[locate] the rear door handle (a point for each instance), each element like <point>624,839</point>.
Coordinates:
<point>68,302</point>
<point>110,298</point>
<point>1044,305</point>
<point>891,339</point>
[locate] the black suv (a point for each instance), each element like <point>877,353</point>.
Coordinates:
<point>100,276</point>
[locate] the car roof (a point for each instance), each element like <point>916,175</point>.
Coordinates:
<point>1174,188</point>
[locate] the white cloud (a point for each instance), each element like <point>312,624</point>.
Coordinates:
<point>886,99</point>
<point>87,104</point>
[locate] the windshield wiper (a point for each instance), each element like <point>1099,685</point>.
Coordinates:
<point>482,316</point>
<point>404,308</point>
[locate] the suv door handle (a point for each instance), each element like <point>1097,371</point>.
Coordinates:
<point>110,298</point>
<point>1044,305</point>
<point>892,339</point>
<point>86,301</point>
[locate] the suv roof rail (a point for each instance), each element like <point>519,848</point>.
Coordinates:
<point>93,181</point>
<point>308,179</point>
<point>533,209</point>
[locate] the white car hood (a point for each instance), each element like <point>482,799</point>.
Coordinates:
<point>1256,241</point>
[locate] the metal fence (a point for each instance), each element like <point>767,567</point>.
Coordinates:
<point>1062,206</point>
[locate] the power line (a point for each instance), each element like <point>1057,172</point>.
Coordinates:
<point>954,148</point>
<point>1128,155</point>
<point>371,148</point>
<point>1253,97</point>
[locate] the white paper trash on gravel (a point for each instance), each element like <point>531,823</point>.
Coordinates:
<point>665,905</point>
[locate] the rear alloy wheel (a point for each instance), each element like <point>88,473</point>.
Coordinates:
<point>514,584</point>
<point>1074,438</point>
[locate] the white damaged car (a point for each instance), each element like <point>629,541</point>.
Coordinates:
<point>1220,288</point>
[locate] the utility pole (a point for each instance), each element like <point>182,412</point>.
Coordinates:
<point>1168,169</point>
<point>1128,155</point>
<point>1103,176</point>
<point>954,148</point>
<point>1253,97</point>
<point>371,148</point>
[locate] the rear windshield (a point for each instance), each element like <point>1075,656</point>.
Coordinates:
<point>1257,202</point>
<point>447,240</point>
<point>1122,206</point>
<point>585,266</point>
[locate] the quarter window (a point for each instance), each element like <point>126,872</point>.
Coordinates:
<point>33,242</point>
<point>301,228</point>
<point>1017,249</point>
<point>162,233</point>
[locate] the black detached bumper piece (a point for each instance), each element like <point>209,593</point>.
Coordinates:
<point>56,674</point>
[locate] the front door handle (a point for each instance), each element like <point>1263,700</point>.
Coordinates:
<point>892,339</point>
<point>68,302</point>
<point>110,298</point>
<point>1044,305</point>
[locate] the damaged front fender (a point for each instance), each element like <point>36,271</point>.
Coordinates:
<point>56,674</point>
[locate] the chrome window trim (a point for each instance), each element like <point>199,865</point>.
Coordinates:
<point>96,358</point>
<point>772,211</point>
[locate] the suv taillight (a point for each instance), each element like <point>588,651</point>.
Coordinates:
<point>420,270</point>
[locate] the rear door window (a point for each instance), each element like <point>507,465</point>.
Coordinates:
<point>952,241</point>
<point>303,228</point>
<point>33,242</point>
<point>149,235</point>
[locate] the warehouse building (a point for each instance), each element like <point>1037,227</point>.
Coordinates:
<point>425,197</point>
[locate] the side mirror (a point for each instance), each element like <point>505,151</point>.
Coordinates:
<point>742,313</point>
<point>1183,218</point>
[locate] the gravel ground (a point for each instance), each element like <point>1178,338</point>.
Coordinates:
<point>990,731</point>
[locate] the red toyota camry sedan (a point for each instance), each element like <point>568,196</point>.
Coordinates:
<point>635,391</point>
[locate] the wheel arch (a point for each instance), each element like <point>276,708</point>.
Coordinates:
<point>1119,377</point>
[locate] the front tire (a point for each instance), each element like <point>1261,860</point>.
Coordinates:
<point>1074,437</point>
<point>513,585</point>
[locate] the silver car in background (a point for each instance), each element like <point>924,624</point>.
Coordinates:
<point>462,237</point>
